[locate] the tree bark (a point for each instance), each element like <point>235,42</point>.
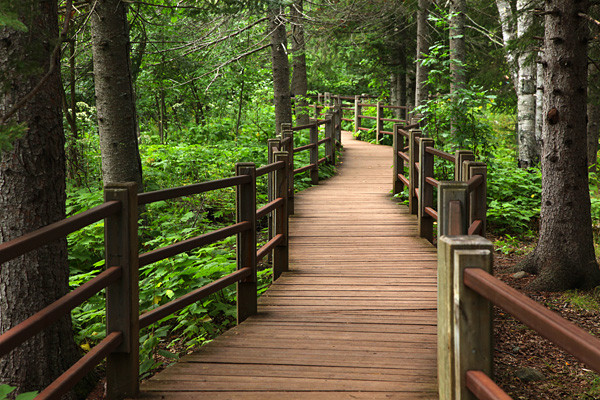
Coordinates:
<point>593,117</point>
<point>115,99</point>
<point>281,70</point>
<point>32,195</point>
<point>564,256</point>
<point>539,104</point>
<point>458,9</point>
<point>526,89</point>
<point>421,90</point>
<point>299,77</point>
<point>507,22</point>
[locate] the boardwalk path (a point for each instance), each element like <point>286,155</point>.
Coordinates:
<point>354,318</point>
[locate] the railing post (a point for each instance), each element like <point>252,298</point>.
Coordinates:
<point>460,157</point>
<point>280,252</point>
<point>273,145</point>
<point>425,189</point>
<point>447,257</point>
<point>329,134</point>
<point>473,320</point>
<point>286,131</point>
<point>327,99</point>
<point>314,153</point>
<point>357,113</point>
<point>449,223</point>
<point>379,122</point>
<point>319,101</point>
<point>338,130</point>
<point>246,242</point>
<point>398,162</point>
<point>413,172</point>
<point>122,297</point>
<point>478,197</point>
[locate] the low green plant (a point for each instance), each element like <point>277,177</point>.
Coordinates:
<point>583,300</point>
<point>6,390</point>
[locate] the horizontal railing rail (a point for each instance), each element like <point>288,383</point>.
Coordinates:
<point>23,244</point>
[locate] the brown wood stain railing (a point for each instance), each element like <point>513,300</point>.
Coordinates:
<point>120,279</point>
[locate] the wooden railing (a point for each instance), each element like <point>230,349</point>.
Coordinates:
<point>120,279</point>
<point>466,293</point>
<point>413,166</point>
<point>356,105</point>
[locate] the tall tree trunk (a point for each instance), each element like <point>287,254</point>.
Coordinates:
<point>539,104</point>
<point>457,49</point>
<point>32,195</point>
<point>507,22</point>
<point>528,150</point>
<point>421,91</point>
<point>281,70</point>
<point>299,77</point>
<point>564,256</point>
<point>593,117</point>
<point>115,102</point>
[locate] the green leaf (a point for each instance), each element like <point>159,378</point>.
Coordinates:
<point>168,354</point>
<point>5,390</point>
<point>11,20</point>
<point>26,396</point>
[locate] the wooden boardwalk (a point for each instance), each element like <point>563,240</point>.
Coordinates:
<point>355,318</point>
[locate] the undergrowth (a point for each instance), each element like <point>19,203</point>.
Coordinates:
<point>164,223</point>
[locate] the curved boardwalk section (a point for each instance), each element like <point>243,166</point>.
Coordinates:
<point>355,318</point>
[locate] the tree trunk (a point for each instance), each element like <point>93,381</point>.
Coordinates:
<point>299,78</point>
<point>421,91</point>
<point>528,151</point>
<point>539,104</point>
<point>457,49</point>
<point>593,114</point>
<point>115,102</point>
<point>281,70</point>
<point>32,195</point>
<point>508,35</point>
<point>564,256</point>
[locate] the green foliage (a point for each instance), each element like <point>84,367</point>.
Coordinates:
<point>583,300</point>
<point>166,222</point>
<point>5,390</point>
<point>9,16</point>
<point>514,195</point>
<point>454,120</point>
<point>9,133</point>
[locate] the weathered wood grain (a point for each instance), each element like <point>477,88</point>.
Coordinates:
<point>355,316</point>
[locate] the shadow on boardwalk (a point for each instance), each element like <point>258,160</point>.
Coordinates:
<point>354,318</point>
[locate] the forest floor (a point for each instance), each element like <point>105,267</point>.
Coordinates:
<point>530,367</point>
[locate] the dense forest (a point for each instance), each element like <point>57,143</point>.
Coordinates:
<point>167,93</point>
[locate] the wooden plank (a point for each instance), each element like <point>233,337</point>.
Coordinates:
<point>288,395</point>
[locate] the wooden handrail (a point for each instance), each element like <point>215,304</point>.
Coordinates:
<point>192,243</point>
<point>49,233</point>
<point>270,245</point>
<point>173,193</point>
<point>270,206</point>
<point>196,295</point>
<point>270,167</point>
<point>43,318</point>
<point>440,153</point>
<point>483,387</point>
<point>574,340</point>
<point>85,364</point>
